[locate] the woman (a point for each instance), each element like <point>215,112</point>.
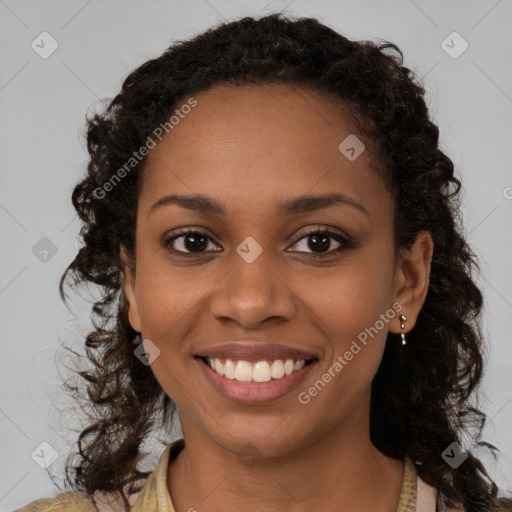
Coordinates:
<point>275,231</point>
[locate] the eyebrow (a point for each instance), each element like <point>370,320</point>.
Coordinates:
<point>297,205</point>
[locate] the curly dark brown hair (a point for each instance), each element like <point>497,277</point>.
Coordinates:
<point>420,401</point>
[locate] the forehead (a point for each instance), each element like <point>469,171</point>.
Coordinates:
<point>258,144</point>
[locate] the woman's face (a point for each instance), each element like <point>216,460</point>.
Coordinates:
<point>258,277</point>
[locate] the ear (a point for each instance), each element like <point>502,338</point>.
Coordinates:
<point>411,281</point>
<point>128,286</point>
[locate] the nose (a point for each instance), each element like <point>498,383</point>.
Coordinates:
<point>251,293</point>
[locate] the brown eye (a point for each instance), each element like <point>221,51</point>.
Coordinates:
<point>194,243</point>
<point>190,241</point>
<point>318,241</point>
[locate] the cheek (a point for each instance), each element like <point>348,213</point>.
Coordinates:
<point>167,306</point>
<point>167,300</point>
<point>173,310</point>
<point>352,296</point>
<point>355,337</point>
<point>352,306</point>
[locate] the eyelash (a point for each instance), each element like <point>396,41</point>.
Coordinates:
<point>345,241</point>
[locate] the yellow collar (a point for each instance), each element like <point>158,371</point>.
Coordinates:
<point>154,496</point>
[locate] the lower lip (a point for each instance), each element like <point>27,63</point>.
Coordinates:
<point>254,392</point>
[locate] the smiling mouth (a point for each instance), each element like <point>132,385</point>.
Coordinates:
<point>260,371</point>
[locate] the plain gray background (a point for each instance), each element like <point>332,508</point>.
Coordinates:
<point>43,104</point>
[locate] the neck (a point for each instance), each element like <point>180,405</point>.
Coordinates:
<point>339,470</point>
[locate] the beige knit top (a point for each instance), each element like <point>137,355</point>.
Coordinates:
<point>415,496</point>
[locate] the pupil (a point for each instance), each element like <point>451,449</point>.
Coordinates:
<point>195,244</point>
<point>322,237</point>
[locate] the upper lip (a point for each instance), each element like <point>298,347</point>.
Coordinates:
<point>254,352</point>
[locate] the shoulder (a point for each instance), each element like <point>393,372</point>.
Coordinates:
<point>72,501</point>
<point>77,501</point>
<point>428,498</point>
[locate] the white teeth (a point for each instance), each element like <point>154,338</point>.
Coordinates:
<point>277,369</point>
<point>243,370</point>
<point>229,369</point>
<point>219,368</point>
<point>298,365</point>
<point>262,371</point>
